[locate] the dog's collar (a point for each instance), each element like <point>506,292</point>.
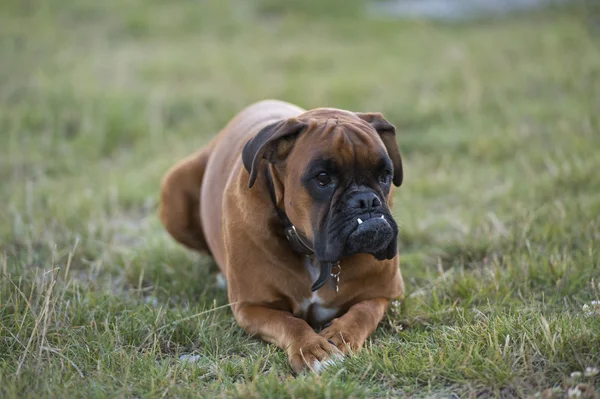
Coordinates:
<point>302,245</point>
<point>298,243</point>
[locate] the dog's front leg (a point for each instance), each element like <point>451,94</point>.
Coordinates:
<point>350,331</point>
<point>304,347</point>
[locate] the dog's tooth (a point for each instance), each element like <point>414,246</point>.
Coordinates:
<point>359,220</point>
<point>382,217</point>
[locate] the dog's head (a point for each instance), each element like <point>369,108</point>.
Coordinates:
<point>332,173</point>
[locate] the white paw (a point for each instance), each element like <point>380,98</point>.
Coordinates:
<point>321,365</point>
<point>317,366</point>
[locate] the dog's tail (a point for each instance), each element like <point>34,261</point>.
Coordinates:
<point>180,200</point>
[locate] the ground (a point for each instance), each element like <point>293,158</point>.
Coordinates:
<point>499,212</point>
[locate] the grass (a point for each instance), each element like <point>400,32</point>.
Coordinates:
<point>500,210</point>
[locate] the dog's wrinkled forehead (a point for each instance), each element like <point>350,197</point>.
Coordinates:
<point>341,138</point>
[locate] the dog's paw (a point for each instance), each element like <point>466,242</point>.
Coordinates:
<point>342,338</point>
<point>314,353</point>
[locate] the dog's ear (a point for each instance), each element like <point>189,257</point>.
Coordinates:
<point>387,132</point>
<point>273,143</point>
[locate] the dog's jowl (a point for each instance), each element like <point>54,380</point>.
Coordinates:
<point>294,206</point>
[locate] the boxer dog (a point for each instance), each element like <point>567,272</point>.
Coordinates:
<point>294,206</point>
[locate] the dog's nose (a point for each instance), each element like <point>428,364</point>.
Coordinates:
<point>366,202</point>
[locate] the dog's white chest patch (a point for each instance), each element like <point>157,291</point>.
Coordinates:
<point>322,314</point>
<point>312,265</point>
<point>314,308</point>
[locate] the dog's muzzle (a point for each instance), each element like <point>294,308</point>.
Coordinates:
<point>371,236</point>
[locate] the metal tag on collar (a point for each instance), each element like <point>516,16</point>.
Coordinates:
<point>336,270</point>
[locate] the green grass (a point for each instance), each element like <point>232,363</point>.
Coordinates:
<point>500,210</point>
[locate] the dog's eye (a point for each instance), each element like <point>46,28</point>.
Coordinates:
<point>323,179</point>
<point>385,177</point>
